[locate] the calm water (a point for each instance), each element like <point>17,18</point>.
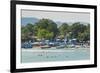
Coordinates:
<point>68,55</point>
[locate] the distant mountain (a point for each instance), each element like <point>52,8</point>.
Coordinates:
<point>32,20</point>
<point>26,20</point>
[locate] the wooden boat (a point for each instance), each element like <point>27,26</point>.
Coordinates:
<point>45,47</point>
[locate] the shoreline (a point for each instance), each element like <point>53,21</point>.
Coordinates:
<point>54,50</point>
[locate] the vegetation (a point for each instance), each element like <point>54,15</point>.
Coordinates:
<point>47,29</point>
<point>44,34</point>
<point>64,30</point>
<point>47,25</point>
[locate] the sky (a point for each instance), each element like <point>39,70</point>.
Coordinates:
<point>57,16</point>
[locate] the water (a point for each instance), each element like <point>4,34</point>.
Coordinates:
<point>64,55</point>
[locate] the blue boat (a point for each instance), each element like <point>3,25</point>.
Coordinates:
<point>26,45</point>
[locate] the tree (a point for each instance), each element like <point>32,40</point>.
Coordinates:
<point>30,28</point>
<point>47,29</point>
<point>48,25</point>
<point>27,32</point>
<point>85,35</point>
<point>77,28</point>
<point>44,34</point>
<point>64,29</point>
<point>24,34</point>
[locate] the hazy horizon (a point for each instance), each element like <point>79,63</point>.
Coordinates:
<point>68,17</point>
<point>33,20</point>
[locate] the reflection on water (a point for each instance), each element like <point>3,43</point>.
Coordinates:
<point>43,56</point>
